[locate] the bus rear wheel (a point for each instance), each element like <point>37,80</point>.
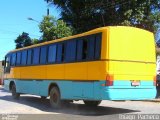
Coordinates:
<point>15,95</point>
<point>55,99</point>
<point>92,103</point>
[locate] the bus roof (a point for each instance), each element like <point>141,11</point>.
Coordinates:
<point>62,39</point>
<point>71,37</point>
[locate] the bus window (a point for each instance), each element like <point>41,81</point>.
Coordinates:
<point>13,60</point>
<point>63,52</point>
<point>52,53</point>
<point>29,57</point>
<point>85,49</point>
<point>79,49</point>
<point>43,55</point>
<point>82,49</point>
<point>7,64</point>
<point>60,53</point>
<point>70,54</point>
<point>91,47</point>
<point>98,46</point>
<point>24,57</point>
<point>36,53</point>
<point>18,61</point>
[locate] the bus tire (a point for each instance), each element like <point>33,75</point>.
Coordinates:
<point>55,98</point>
<point>15,95</point>
<point>92,103</point>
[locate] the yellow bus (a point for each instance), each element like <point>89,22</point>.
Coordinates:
<point>108,63</point>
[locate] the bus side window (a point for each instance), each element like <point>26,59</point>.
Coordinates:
<point>98,46</point>
<point>60,52</point>
<point>85,49</point>
<point>13,60</point>
<point>7,64</point>
<point>82,49</point>
<point>29,57</point>
<point>18,61</point>
<point>70,54</point>
<point>36,54</point>
<point>91,47</point>
<point>79,49</point>
<point>43,55</point>
<point>52,53</point>
<point>24,57</point>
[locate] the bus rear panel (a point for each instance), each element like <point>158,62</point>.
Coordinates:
<point>131,64</point>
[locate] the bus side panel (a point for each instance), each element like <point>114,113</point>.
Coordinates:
<point>83,90</point>
<point>76,71</point>
<point>33,72</point>
<point>6,84</point>
<point>55,71</point>
<point>73,90</point>
<point>94,70</point>
<point>14,73</point>
<point>97,70</point>
<point>27,86</point>
<point>76,90</point>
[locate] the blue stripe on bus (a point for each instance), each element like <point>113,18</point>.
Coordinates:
<point>122,89</point>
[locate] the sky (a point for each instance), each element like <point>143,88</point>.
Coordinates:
<point>13,20</point>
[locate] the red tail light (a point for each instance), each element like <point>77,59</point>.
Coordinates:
<point>155,81</point>
<point>109,80</point>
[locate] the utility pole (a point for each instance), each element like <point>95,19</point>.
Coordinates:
<point>47,8</point>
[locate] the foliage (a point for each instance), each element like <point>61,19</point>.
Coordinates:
<point>23,40</point>
<point>35,41</point>
<point>53,29</point>
<point>84,15</point>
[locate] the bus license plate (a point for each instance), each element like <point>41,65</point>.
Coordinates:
<point>135,83</point>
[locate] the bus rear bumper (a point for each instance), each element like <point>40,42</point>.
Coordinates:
<point>123,90</point>
<point>129,94</point>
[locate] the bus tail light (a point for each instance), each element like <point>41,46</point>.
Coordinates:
<point>155,81</point>
<point>109,80</point>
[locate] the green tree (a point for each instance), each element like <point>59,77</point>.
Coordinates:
<point>84,15</point>
<point>23,40</point>
<point>35,41</point>
<point>53,29</point>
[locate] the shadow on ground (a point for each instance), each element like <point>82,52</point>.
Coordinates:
<point>73,109</point>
